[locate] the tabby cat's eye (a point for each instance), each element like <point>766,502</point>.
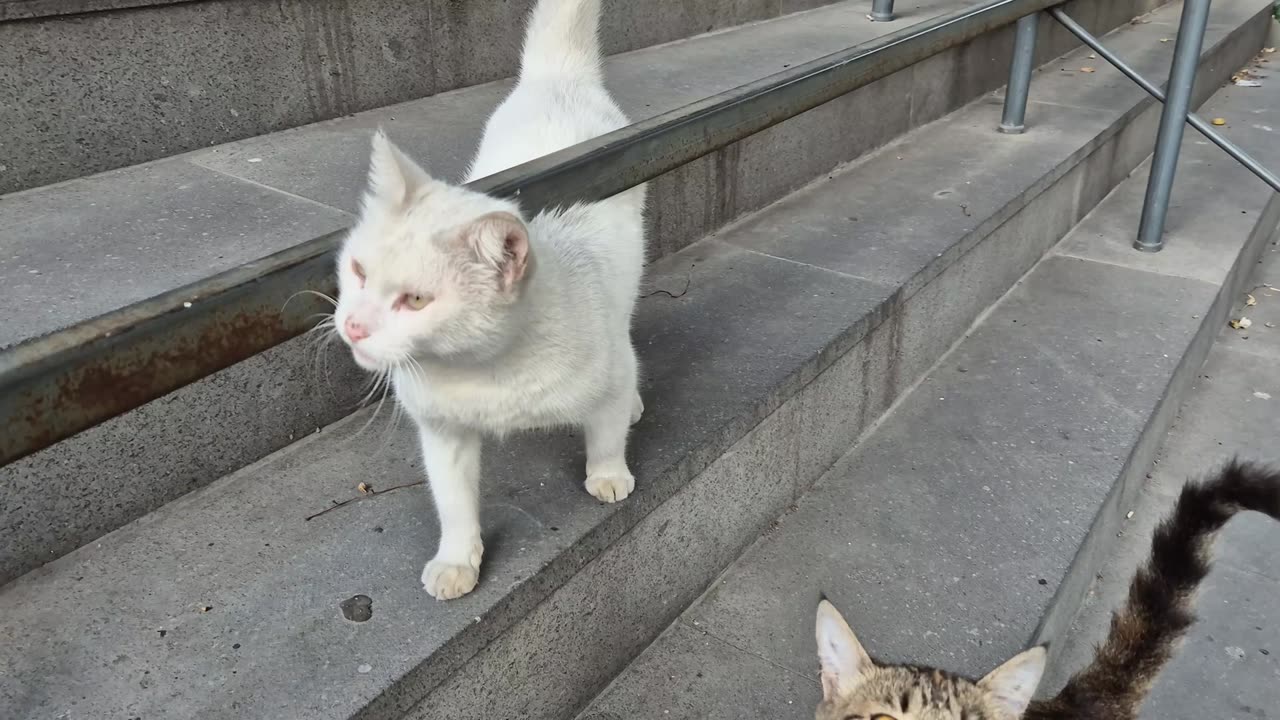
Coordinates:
<point>415,301</point>
<point>882,716</point>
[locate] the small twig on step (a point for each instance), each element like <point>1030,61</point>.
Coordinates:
<point>367,494</point>
<point>688,280</point>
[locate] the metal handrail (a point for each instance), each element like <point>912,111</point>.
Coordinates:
<point>881,11</point>
<point>58,385</point>
<point>1248,161</point>
<point>1173,120</point>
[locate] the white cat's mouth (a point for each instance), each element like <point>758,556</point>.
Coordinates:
<point>364,359</point>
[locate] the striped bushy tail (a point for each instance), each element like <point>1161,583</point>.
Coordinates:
<point>1159,610</point>
<point>562,40</point>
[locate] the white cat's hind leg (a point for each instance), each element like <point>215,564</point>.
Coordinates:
<point>632,380</point>
<point>608,478</point>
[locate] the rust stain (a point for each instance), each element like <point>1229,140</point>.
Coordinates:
<point>126,381</point>
<point>131,378</point>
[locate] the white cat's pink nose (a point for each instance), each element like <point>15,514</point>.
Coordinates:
<point>356,331</point>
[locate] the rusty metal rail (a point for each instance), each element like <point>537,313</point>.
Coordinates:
<point>63,383</point>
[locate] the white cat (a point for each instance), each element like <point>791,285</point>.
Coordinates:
<point>489,322</point>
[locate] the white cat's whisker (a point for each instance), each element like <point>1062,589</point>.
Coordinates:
<point>320,345</point>
<point>315,293</point>
<point>378,408</point>
<point>327,322</point>
<point>393,424</point>
<point>318,339</point>
<point>373,386</point>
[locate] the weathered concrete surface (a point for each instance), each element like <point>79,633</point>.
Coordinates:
<point>74,252</point>
<point>1228,665</point>
<point>58,500</point>
<point>738,367</point>
<point>273,581</point>
<point>324,164</point>
<point>934,535</point>
<point>100,87</point>
<point>969,522</point>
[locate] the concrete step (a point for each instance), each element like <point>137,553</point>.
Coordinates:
<point>108,83</point>
<point>776,343</point>
<point>74,250</point>
<point>972,520</point>
<point>1229,657</point>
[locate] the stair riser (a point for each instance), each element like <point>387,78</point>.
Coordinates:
<point>107,89</point>
<point>248,411</point>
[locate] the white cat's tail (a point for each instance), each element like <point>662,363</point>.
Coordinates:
<point>562,41</point>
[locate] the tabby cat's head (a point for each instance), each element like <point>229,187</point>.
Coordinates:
<point>856,688</point>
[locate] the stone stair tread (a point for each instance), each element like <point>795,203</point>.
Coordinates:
<point>945,535</point>
<point>77,249</point>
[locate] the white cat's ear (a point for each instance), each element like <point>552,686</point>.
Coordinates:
<point>1013,684</point>
<point>393,177</point>
<point>502,240</point>
<point>843,659</point>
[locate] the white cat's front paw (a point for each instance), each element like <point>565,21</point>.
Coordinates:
<point>449,581</point>
<point>610,487</point>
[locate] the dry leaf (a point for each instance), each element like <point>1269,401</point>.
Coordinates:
<point>1087,70</point>
<point>364,488</point>
<point>1268,50</point>
<point>1250,300</point>
<point>1093,57</point>
<point>1271,325</point>
<point>1164,39</point>
<point>1242,324</point>
<point>1219,121</point>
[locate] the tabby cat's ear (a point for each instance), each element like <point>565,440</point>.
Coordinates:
<point>1013,684</point>
<point>844,661</point>
<point>393,177</point>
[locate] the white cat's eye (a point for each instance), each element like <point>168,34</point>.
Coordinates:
<point>358,270</point>
<point>415,301</point>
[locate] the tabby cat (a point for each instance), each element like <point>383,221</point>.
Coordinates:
<point>1143,633</point>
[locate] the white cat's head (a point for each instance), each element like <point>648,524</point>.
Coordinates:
<point>430,269</point>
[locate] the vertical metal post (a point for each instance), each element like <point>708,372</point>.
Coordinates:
<point>1014,119</point>
<point>1182,78</point>
<point>881,10</point>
